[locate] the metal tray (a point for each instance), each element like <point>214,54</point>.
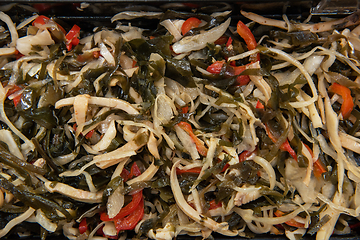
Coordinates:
<point>70,12</point>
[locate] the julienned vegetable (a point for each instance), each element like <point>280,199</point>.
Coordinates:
<point>348,104</point>
<point>200,127</point>
<point>72,37</point>
<point>189,24</point>
<point>248,37</point>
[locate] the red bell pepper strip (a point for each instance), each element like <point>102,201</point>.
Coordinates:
<point>134,63</point>
<point>245,155</point>
<point>199,145</point>
<point>319,169</point>
<point>184,109</point>
<point>88,135</point>
<point>189,24</point>
<point>83,226</point>
<point>248,37</point>
<point>134,171</point>
<point>348,104</point>
<point>291,222</point>
<point>18,55</point>
<point>259,105</point>
<point>242,79</point>
<point>40,20</point>
<point>251,43</point>
<point>72,37</point>
<point>225,167</point>
<point>196,170</point>
<point>129,222</point>
<point>13,89</point>
<point>96,54</point>
<point>222,40</point>
<point>124,175</point>
<point>216,67</point>
<point>128,209</point>
<point>285,146</point>
<point>16,100</point>
<point>229,42</point>
<point>214,205</point>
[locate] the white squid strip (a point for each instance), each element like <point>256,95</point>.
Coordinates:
<point>350,142</point>
<point>105,141</point>
<point>74,193</point>
<point>80,108</point>
<point>12,29</point>
<point>247,215</point>
<point>15,221</point>
<point>44,221</point>
<point>173,30</point>
<point>187,142</point>
<point>6,137</point>
<point>317,27</point>
<point>332,124</point>
<point>264,21</point>
<point>7,51</point>
<point>152,146</point>
<point>101,101</point>
<point>106,54</point>
<point>313,113</point>
<point>127,150</point>
<point>327,229</point>
<point>309,169</point>
<point>118,169</point>
<point>132,15</point>
<point>115,203</point>
<point>26,22</point>
<point>243,55</point>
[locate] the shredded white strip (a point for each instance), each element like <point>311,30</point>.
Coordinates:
<point>15,221</point>
<point>26,22</point>
<point>243,55</point>
<point>74,193</point>
<point>332,124</point>
<point>101,101</point>
<point>12,29</point>
<point>247,215</point>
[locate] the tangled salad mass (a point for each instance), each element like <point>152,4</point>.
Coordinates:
<point>192,129</point>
